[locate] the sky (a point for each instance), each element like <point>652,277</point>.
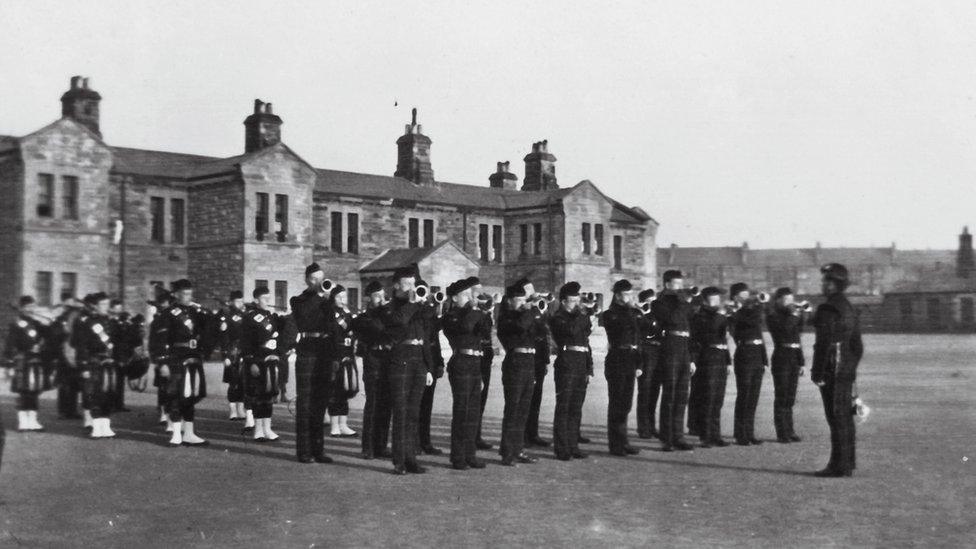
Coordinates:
<point>776,123</point>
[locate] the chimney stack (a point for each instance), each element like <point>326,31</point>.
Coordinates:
<point>965,263</point>
<point>502,178</point>
<point>262,128</point>
<point>413,154</point>
<point>81,104</point>
<point>540,168</point>
<point>744,253</point>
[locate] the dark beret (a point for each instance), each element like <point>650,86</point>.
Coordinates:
<point>236,294</point>
<point>404,272</point>
<point>671,274</point>
<point>738,287</point>
<point>569,289</point>
<point>521,283</point>
<point>163,295</point>
<point>260,291</point>
<point>780,292</point>
<point>314,267</point>
<point>836,272</point>
<point>25,300</point>
<point>461,285</point>
<point>516,291</point>
<point>93,299</point>
<point>622,286</point>
<point>420,282</point>
<point>336,290</point>
<point>451,289</point>
<point>67,295</point>
<point>181,284</point>
<point>374,287</point>
<point>710,291</point>
<point>115,302</point>
<point>473,280</point>
<point>645,295</point>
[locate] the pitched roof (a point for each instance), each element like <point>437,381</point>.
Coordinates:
<point>394,258</point>
<point>786,257</point>
<point>157,163</point>
<point>8,142</point>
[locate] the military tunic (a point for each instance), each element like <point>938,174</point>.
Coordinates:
<point>574,363</point>
<point>23,353</point>
<point>649,383</point>
<point>710,349</point>
<point>183,329</point>
<point>229,345</point>
<point>260,336</point>
<point>463,327</point>
<point>673,314</point>
<point>517,331</point>
<point>750,360</point>
<point>91,338</point>
<point>311,373</point>
<point>374,348</point>
<point>342,359</point>
<point>406,373</point>
<point>622,323</point>
<point>785,326</point>
<point>59,349</point>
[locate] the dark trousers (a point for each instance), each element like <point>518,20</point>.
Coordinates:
<point>311,398</point>
<point>786,374</point>
<point>569,373</point>
<point>748,382</point>
<point>713,373</point>
<point>118,402</point>
<point>406,374</point>
<point>234,380</point>
<point>837,394</point>
<point>464,373</point>
<point>696,398</point>
<point>532,423</point>
<point>620,368</point>
<point>68,390</point>
<point>518,379</point>
<point>486,362</point>
<point>675,365</point>
<point>648,389</point>
<point>376,411</point>
<point>27,400</point>
<point>426,409</point>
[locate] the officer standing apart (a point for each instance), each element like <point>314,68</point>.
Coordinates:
<point>311,369</point>
<point>837,352</point>
<point>407,371</point>
<point>673,313</point>
<point>785,323</point>
<point>570,327</point>
<point>710,348</point>
<point>622,365</point>
<point>463,325</point>
<point>750,361</point>
<point>374,348</point>
<point>649,382</point>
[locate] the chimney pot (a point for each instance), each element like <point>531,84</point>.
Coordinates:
<point>84,82</point>
<point>267,108</point>
<point>75,80</point>
<point>258,106</point>
<point>413,116</point>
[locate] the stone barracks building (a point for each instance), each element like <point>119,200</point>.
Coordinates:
<point>81,215</point>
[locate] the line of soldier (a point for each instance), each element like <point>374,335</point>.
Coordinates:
<point>672,346</point>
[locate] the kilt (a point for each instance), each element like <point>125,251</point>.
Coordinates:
<point>261,377</point>
<point>100,385</point>
<point>29,375</point>
<point>187,382</point>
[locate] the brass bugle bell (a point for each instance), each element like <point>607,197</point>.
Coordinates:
<point>327,285</point>
<point>421,292</point>
<point>804,306</point>
<point>439,297</point>
<point>541,304</point>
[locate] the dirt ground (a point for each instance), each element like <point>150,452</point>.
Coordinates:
<point>915,485</point>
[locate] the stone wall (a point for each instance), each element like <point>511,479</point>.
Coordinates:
<point>11,234</point>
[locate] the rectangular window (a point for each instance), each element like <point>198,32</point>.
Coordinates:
<point>537,239</point>
<point>496,243</point>
<point>934,310</point>
<point>428,233</point>
<point>352,245</point>
<point>413,230</point>
<point>43,286</point>
<point>483,242</point>
<point>336,232</point>
<point>69,284</point>
<point>598,237</point>
<point>618,244</point>
<point>586,238</point>
<point>261,216</point>
<point>260,283</point>
<point>281,216</point>
<point>69,197</point>
<point>353,296</point>
<point>523,239</point>
<point>177,217</point>
<point>157,222</point>
<point>45,195</point>
<point>281,294</point>
<point>967,310</point>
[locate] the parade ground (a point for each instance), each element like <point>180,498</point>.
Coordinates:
<point>915,484</point>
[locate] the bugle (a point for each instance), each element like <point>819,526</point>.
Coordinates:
<point>327,285</point>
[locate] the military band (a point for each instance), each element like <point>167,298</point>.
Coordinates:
<point>675,344</point>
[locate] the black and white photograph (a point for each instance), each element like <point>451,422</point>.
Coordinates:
<point>305,274</point>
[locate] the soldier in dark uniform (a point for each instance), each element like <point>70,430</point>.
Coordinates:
<point>570,327</point>
<point>710,349</point>
<point>311,369</point>
<point>260,334</point>
<point>785,322</point>
<point>435,364</point>
<point>837,352</point>
<point>488,305</point>
<point>184,324</point>
<point>229,347</point>
<point>62,355</point>
<point>622,365</point>
<point>94,347</point>
<point>542,359</point>
<point>750,360</point>
<point>407,372</point>
<point>23,354</point>
<point>463,326</point>
<point>127,335</point>
<point>649,382</point>
<point>374,348</point>
<point>159,354</point>
<point>517,330</point>
<point>673,312</point>
<point>341,354</point>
